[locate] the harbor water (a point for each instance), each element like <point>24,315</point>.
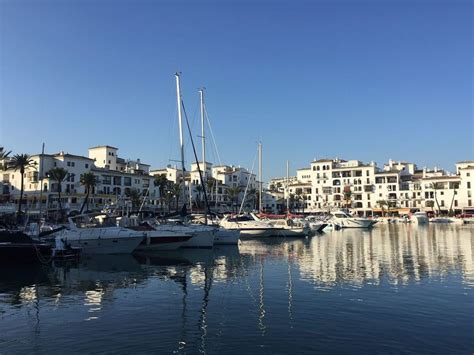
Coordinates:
<point>395,288</point>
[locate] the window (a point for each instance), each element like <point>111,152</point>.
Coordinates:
<point>468,174</point>
<point>456,203</point>
<point>87,166</point>
<point>468,184</point>
<point>73,163</point>
<point>469,203</point>
<point>68,163</point>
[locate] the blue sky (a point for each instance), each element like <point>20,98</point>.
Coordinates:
<point>367,80</point>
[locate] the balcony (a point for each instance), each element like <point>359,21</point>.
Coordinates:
<point>368,188</point>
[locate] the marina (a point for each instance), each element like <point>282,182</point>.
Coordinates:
<point>350,290</point>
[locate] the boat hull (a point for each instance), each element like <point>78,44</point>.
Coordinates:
<point>28,253</point>
<point>153,241</point>
<point>226,237</point>
<point>200,239</point>
<point>257,232</point>
<point>353,223</point>
<point>123,245</point>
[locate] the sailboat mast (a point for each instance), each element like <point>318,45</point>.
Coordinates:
<point>41,182</point>
<point>180,119</point>
<point>287,185</point>
<point>180,123</point>
<point>203,136</point>
<point>260,178</point>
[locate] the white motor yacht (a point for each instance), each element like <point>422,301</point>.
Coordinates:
<point>316,225</point>
<point>419,218</point>
<point>345,220</point>
<point>290,228</point>
<point>155,239</point>
<point>222,236</point>
<point>202,236</point>
<point>98,234</point>
<point>248,226</point>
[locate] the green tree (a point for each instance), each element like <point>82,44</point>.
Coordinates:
<point>382,204</point>
<point>430,203</point>
<point>347,196</point>
<point>134,196</point>
<point>437,186</point>
<point>161,182</point>
<point>21,162</point>
<point>199,191</point>
<point>89,181</point>
<point>233,193</point>
<point>58,175</point>
<point>210,186</point>
<point>176,190</point>
<point>3,156</point>
<point>455,186</point>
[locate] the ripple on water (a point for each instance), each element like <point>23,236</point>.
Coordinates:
<point>391,289</point>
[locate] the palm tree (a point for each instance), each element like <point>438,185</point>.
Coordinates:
<point>455,186</point>
<point>437,186</point>
<point>210,185</point>
<point>431,204</point>
<point>168,197</point>
<point>21,162</point>
<point>199,190</point>
<point>347,195</point>
<point>134,196</point>
<point>233,193</point>
<point>161,182</point>
<point>89,181</point>
<point>176,190</point>
<point>58,175</point>
<point>3,155</point>
<point>382,204</point>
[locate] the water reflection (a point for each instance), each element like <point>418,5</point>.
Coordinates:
<point>202,294</point>
<point>399,253</point>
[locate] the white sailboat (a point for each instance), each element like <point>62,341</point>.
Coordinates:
<point>202,236</point>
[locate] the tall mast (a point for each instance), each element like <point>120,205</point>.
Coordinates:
<point>41,182</point>
<point>260,178</point>
<point>180,119</point>
<point>287,189</point>
<point>180,123</point>
<point>203,136</point>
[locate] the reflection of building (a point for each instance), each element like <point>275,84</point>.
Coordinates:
<point>387,252</point>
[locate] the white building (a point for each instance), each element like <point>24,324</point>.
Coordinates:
<point>115,177</point>
<point>366,189</point>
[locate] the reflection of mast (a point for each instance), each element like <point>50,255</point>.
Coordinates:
<point>290,290</point>
<point>261,315</point>
<point>203,318</point>
<point>182,342</point>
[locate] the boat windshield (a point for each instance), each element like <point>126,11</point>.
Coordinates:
<point>240,219</point>
<point>97,221</point>
<point>340,215</point>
